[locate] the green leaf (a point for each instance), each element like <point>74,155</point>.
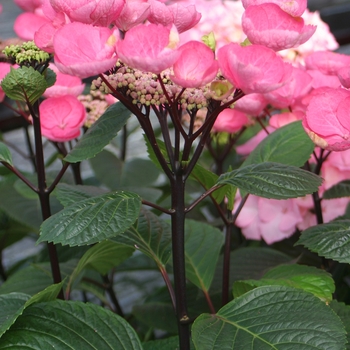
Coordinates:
<point>158,315</point>
<point>24,84</point>
<point>50,77</point>
<point>101,257</point>
<point>5,154</point>
<point>70,325</point>
<point>171,343</point>
<point>310,279</point>
<point>343,311</point>
<point>92,220</point>
<point>100,134</point>
<point>340,190</point>
<point>11,306</point>
<point>331,240</point>
<point>272,180</point>
<point>151,235</point>
<point>271,317</point>
<point>70,194</point>
<point>202,248</point>
<point>288,145</point>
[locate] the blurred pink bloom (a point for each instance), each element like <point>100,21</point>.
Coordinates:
<point>61,118</point>
<point>331,208</point>
<point>222,17</point>
<point>336,168</point>
<point>251,144</point>
<point>134,12</point>
<point>252,104</point>
<point>268,25</point>
<point>294,7</point>
<point>320,79</point>
<point>322,39</point>
<point>100,13</point>
<point>196,65</point>
<point>327,119</point>
<point>184,17</point>
<point>28,5</point>
<point>344,76</point>
<point>84,50</point>
<point>253,68</point>
<point>4,70</point>
<point>230,120</point>
<point>327,62</point>
<point>268,219</point>
<point>282,119</point>
<point>27,23</point>
<point>296,88</point>
<point>65,85</point>
<point>150,48</point>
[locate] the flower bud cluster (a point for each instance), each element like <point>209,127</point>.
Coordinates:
<point>95,104</point>
<point>27,54</point>
<point>145,89</point>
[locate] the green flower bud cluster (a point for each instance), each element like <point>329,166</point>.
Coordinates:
<point>27,54</point>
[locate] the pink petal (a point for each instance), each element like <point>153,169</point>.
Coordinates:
<point>327,62</point>
<point>184,17</point>
<point>26,24</point>
<point>230,120</point>
<point>268,25</point>
<point>196,65</point>
<point>294,7</point>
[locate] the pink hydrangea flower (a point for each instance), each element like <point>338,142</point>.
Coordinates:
<point>65,85</point>
<point>294,7</point>
<point>27,23</point>
<point>251,144</point>
<point>61,118</point>
<point>282,119</point>
<point>320,79</point>
<point>269,219</point>
<point>327,119</point>
<point>196,65</point>
<point>100,13</point>
<point>4,70</point>
<point>252,104</point>
<point>84,50</point>
<point>285,96</point>
<point>160,13</point>
<point>253,68</point>
<point>134,12</point>
<point>230,120</point>
<point>327,62</point>
<point>150,48</point>
<point>184,17</point>
<point>268,25</point>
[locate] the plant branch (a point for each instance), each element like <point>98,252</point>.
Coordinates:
<point>199,199</point>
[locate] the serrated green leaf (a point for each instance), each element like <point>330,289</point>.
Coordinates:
<point>331,240</point>
<point>48,294</point>
<point>50,77</point>
<point>101,257</point>
<point>70,325</point>
<point>343,311</point>
<point>202,248</point>
<point>11,306</point>
<point>272,180</point>
<point>151,235</point>
<point>92,220</point>
<point>5,154</point>
<point>340,190</point>
<point>271,317</point>
<point>310,279</point>
<point>24,84</point>
<point>70,194</point>
<point>288,145</point>
<point>100,134</point>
